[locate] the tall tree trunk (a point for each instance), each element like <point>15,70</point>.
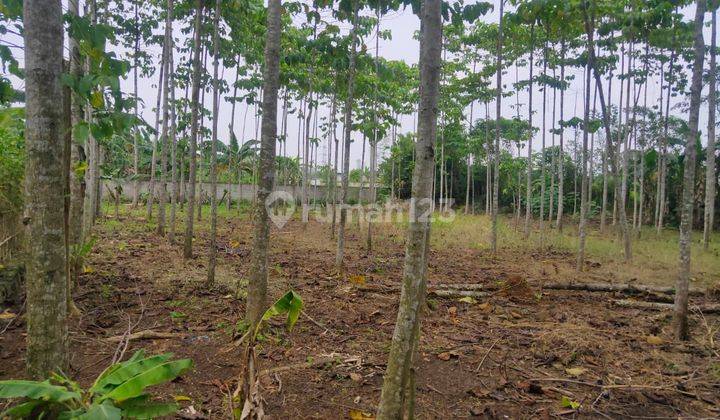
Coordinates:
<point>589,30</point>
<point>584,183</point>
<point>257,285</point>
<point>91,155</point>
<point>561,152</point>
<point>340,252</point>
<point>335,169</point>
<point>681,289</point>
<point>175,192</point>
<point>47,311</point>
<point>165,123</point>
<point>153,158</point>
<point>658,170</point>
<point>194,115</point>
<point>551,204</point>
<point>307,161</point>
<point>488,160</point>
<point>398,381</point>
<point>606,162</point>
<point>375,140</point>
<point>136,68</point>
<point>542,136</point>
<point>77,154</point>
<point>528,187</point>
<point>663,151</point>
<point>710,177</point>
<point>212,251</point>
<point>496,151</point>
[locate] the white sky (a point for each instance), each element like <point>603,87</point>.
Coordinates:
<point>401,46</point>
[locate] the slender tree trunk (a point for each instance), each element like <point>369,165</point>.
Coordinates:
<point>528,187</point>
<point>165,123</point>
<point>542,150</point>
<point>91,155</point>
<point>212,251</point>
<point>375,140</point>
<point>488,160</point>
<point>47,311</point>
<point>663,151</point>
<point>307,160</point>
<point>175,191</point>
<point>496,151</point>
<point>153,159</point>
<point>710,177</point>
<point>589,30</point>
<point>561,152</point>
<point>584,183</point>
<point>398,384</point>
<point>136,131</point>
<point>257,285</point>
<point>77,155</point>
<point>681,295</point>
<point>194,111</point>
<point>339,255</point>
<point>469,160</point>
<point>335,168</point>
<point>606,163</point>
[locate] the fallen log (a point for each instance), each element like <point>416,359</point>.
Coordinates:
<point>708,308</point>
<point>459,293</point>
<point>464,286</point>
<point>144,335</point>
<point>618,287</point>
<point>632,289</point>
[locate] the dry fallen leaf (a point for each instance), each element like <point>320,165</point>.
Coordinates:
<point>654,340</point>
<point>358,280</point>
<point>467,299</point>
<point>356,377</point>
<point>360,415</point>
<point>485,307</point>
<point>7,315</point>
<point>576,371</point>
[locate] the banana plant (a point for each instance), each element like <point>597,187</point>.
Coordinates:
<point>119,392</point>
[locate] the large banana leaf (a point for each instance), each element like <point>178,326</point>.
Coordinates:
<point>134,387</point>
<point>101,412</point>
<point>127,371</point>
<point>36,391</point>
<point>150,410</point>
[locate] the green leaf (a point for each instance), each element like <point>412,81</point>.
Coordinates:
<point>568,403</point>
<point>21,411</point>
<point>36,391</point>
<point>128,370</point>
<point>104,411</point>
<point>97,100</point>
<point>149,410</point>
<point>291,304</point>
<point>81,131</point>
<point>157,375</point>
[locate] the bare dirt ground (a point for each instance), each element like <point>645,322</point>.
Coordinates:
<point>522,352</point>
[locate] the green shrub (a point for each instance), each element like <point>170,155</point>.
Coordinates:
<point>119,392</point>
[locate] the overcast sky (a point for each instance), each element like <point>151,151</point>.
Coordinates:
<point>403,24</point>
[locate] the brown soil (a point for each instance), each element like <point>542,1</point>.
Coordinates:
<point>516,354</point>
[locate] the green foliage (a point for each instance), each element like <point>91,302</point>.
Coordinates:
<point>12,163</point>
<point>119,392</point>
<point>291,304</point>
